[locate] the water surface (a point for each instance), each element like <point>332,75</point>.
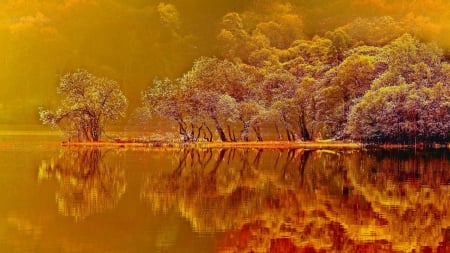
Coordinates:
<point>60,199</point>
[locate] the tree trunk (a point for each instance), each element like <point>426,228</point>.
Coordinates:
<point>210,133</point>
<point>244,132</point>
<point>229,134</point>
<point>302,126</point>
<point>288,134</point>
<point>280,137</point>
<point>294,137</point>
<point>183,130</point>
<point>199,131</point>
<point>258,133</point>
<point>84,132</point>
<point>96,131</point>
<point>286,126</point>
<point>192,134</point>
<point>220,130</point>
<point>95,136</point>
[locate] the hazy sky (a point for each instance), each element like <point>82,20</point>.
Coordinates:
<point>134,41</point>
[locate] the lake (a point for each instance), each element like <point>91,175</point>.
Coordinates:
<point>62,199</point>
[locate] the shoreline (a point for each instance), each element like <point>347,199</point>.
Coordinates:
<point>258,145</point>
<point>252,144</point>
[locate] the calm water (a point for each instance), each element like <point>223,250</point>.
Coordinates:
<point>56,199</point>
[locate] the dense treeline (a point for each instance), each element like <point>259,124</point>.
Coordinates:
<point>371,80</point>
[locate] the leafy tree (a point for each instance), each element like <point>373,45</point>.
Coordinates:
<point>207,81</point>
<point>403,114</point>
<point>228,112</point>
<point>88,104</point>
<point>251,114</point>
<point>235,41</point>
<point>207,105</point>
<point>278,85</point>
<point>305,99</point>
<point>382,30</point>
<point>341,41</point>
<point>249,37</point>
<point>338,90</point>
<point>283,31</point>
<point>411,61</point>
<point>286,110</point>
<point>277,93</point>
<point>408,101</point>
<point>166,99</point>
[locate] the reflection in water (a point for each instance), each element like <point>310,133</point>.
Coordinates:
<point>411,192</point>
<point>87,184</point>
<point>307,201</point>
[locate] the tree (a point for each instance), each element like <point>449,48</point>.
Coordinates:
<point>251,37</point>
<point>411,61</point>
<point>250,114</point>
<point>88,104</point>
<point>206,83</point>
<point>339,87</point>
<point>235,42</point>
<point>403,114</point>
<point>277,93</point>
<point>306,102</point>
<point>166,99</point>
<point>383,30</point>
<point>228,112</point>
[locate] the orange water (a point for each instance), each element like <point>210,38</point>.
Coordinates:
<point>60,199</point>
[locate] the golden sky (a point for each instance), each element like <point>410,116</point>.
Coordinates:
<point>134,41</point>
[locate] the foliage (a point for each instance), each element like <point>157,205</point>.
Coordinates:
<point>403,114</point>
<point>88,104</point>
<point>382,84</point>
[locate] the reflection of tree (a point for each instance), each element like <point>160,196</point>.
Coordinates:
<point>200,182</point>
<point>87,183</point>
<point>307,201</point>
<point>217,190</point>
<point>410,191</point>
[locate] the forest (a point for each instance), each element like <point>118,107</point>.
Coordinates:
<point>372,80</point>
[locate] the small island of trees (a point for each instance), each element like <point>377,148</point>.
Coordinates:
<point>270,81</point>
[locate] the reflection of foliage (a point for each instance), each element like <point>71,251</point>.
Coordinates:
<point>182,189</point>
<point>308,201</point>
<point>87,184</point>
<point>218,190</point>
<point>409,191</point>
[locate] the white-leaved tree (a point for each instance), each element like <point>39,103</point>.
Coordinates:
<point>88,104</point>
